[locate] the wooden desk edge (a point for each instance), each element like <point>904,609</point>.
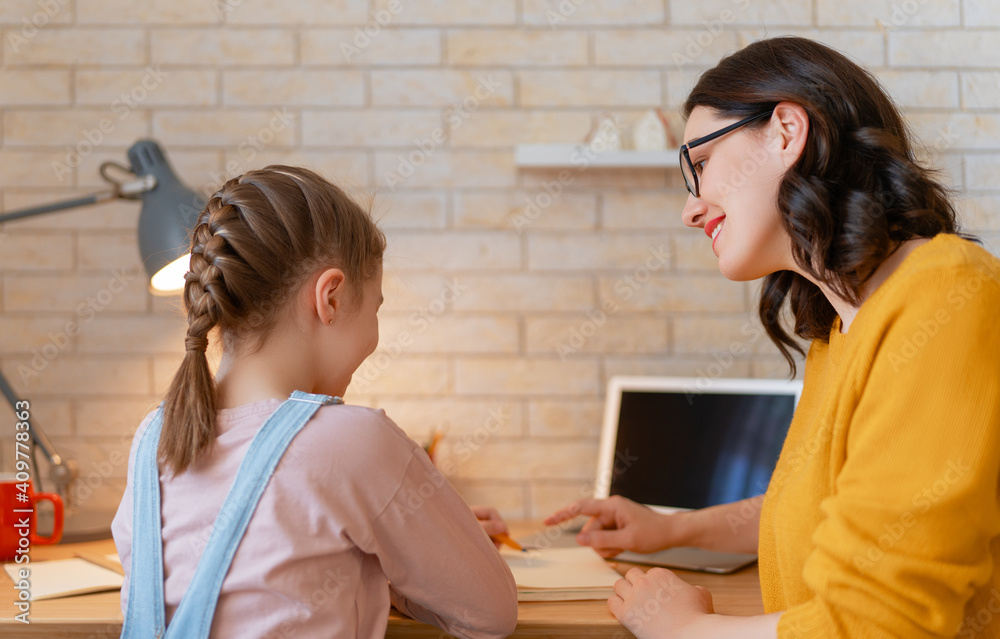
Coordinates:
<point>91,616</point>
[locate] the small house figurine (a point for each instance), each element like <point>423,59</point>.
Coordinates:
<point>650,132</point>
<point>605,135</point>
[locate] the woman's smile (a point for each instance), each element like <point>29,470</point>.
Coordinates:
<point>713,228</point>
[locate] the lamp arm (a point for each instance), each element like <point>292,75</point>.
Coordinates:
<point>59,206</point>
<point>36,435</point>
<point>130,190</point>
<point>63,472</point>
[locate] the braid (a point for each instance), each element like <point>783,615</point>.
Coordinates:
<point>206,294</point>
<point>190,409</point>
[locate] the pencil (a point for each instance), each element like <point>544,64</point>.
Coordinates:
<point>102,561</point>
<point>432,446</point>
<point>505,539</point>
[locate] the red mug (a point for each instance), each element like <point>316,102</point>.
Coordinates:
<point>17,518</point>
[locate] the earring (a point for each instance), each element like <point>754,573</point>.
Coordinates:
<point>330,322</point>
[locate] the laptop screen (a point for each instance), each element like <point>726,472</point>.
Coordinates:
<point>691,450</point>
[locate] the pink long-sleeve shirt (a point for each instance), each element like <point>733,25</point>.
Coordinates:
<point>353,505</point>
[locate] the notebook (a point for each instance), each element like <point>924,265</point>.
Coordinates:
<point>65,577</point>
<point>677,443</point>
<point>560,574</point>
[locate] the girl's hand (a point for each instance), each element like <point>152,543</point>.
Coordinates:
<point>491,521</point>
<point>660,605</point>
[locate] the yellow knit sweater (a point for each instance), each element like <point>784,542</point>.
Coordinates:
<point>882,518</point>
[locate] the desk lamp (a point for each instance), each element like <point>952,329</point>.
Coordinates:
<point>169,211</point>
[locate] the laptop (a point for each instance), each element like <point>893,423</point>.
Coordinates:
<point>679,443</point>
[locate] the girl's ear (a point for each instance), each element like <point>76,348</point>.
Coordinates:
<point>328,295</point>
<point>791,124</point>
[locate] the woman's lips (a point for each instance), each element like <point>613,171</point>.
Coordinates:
<point>712,226</point>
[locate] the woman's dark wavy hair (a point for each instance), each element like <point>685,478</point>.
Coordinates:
<point>856,192</point>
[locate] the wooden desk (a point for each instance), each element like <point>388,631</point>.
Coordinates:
<point>736,594</point>
<point>98,616</point>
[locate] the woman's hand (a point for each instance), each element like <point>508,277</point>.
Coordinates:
<point>618,524</point>
<point>660,605</point>
<point>491,521</point>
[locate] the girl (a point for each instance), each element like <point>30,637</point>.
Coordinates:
<point>881,518</point>
<point>258,504</point>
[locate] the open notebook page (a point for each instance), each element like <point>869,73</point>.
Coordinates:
<point>560,574</point>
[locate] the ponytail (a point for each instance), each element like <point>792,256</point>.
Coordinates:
<point>189,411</point>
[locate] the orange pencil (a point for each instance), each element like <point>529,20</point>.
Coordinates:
<point>432,446</point>
<point>505,539</point>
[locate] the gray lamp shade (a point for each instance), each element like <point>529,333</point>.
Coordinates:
<point>169,212</point>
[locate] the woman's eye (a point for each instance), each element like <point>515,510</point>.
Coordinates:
<point>699,167</point>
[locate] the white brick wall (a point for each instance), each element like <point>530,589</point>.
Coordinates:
<point>502,333</point>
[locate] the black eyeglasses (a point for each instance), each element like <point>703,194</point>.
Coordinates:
<point>687,168</point>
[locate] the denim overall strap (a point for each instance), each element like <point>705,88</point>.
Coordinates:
<point>193,618</point>
<point>144,616</point>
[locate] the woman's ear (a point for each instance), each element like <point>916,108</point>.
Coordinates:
<point>328,295</point>
<point>791,127</point>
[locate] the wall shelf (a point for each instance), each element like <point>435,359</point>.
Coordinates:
<point>580,156</point>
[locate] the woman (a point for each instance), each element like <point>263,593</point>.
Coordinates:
<point>881,518</point>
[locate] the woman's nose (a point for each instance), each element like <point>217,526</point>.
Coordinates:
<point>694,212</point>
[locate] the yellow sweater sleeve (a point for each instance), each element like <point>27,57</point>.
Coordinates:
<point>905,537</point>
